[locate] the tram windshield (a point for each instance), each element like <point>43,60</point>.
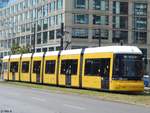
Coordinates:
<point>127,66</point>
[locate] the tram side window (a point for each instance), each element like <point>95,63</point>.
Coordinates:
<point>5,66</point>
<point>36,66</point>
<point>14,67</point>
<point>97,67</point>
<point>25,67</point>
<point>50,67</point>
<point>72,63</point>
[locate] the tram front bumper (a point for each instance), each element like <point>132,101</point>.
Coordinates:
<point>126,85</point>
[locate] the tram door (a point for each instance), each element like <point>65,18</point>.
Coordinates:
<point>13,75</point>
<point>105,69</point>
<point>69,71</point>
<point>37,68</point>
<point>14,69</point>
<point>68,76</point>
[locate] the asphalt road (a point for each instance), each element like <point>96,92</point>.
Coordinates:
<point>26,100</point>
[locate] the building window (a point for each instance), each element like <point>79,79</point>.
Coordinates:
<point>81,18</point>
<point>9,43</point>
<point>96,20</point>
<point>25,67</point>
<point>34,2</point>
<point>59,19</point>
<point>100,20</point>
<point>23,40</point>
<point>102,33</point>
<point>39,26</point>
<point>140,23</point>
<point>144,51</point>
<point>39,12</point>
<point>119,36</point>
<point>1,55</point>
<point>73,64</point>
<point>28,40</point>
<point>52,20</point>
<point>120,7</point>
<point>58,48</point>
<point>34,13</point>
<point>45,10</point>
<point>28,27</point>
<point>51,35</point>
<point>22,28</point>
<point>26,3</point>
<point>45,24</point>
<point>52,6</point>
<point>51,48</point>
<point>120,22</point>
<point>49,19</point>
<point>38,50</point>
<point>31,15</point>
<point>44,37</point>
<point>12,9</point>
<point>5,53</point>
<point>32,39</point>
<point>56,19</point>
<point>5,44</point>
<point>39,38</point>
<point>44,49</point>
<point>50,67</point>
<point>140,9</point>
<point>79,33</point>
<point>58,33</point>
<point>18,40</point>
<point>140,37</point>
<point>80,4</point>
<point>59,4</point>
<point>101,5</point>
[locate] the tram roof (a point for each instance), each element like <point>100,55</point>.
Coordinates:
<point>115,49</point>
<point>71,52</point>
<point>27,55</point>
<point>6,57</point>
<point>52,53</point>
<point>38,54</point>
<point>15,56</point>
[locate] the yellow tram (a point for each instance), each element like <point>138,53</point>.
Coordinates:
<point>112,68</point>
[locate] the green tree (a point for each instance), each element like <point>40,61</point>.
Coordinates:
<point>16,49</point>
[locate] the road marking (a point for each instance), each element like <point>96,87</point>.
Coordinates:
<point>74,107</point>
<point>38,99</point>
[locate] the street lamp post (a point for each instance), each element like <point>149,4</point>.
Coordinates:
<point>34,37</point>
<point>99,38</point>
<point>62,34</point>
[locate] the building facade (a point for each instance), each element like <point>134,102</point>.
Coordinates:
<point>114,21</point>
<point>3,3</point>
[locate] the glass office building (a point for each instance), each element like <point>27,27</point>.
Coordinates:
<point>3,3</point>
